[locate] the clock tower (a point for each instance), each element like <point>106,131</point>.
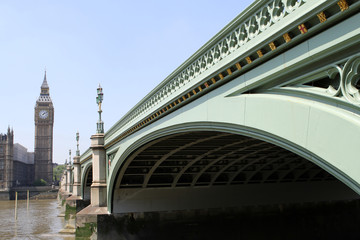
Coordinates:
<point>44,122</point>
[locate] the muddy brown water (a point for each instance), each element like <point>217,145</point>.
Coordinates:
<point>40,221</point>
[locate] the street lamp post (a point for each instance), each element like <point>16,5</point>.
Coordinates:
<point>68,168</point>
<point>99,99</point>
<point>77,170</point>
<point>77,144</point>
<point>98,186</point>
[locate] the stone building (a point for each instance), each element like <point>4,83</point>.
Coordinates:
<point>6,163</point>
<point>18,167</point>
<point>16,163</point>
<point>23,166</point>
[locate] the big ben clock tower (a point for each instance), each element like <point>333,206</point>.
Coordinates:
<point>44,122</point>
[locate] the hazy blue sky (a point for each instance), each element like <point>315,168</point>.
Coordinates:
<point>127,46</point>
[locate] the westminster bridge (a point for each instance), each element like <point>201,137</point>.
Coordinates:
<point>266,112</point>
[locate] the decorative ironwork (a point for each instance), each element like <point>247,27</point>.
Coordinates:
<point>350,80</point>
<point>287,37</point>
<point>341,81</point>
<point>268,14</point>
<point>110,158</point>
<point>302,28</point>
<point>77,144</point>
<point>322,17</point>
<point>99,99</point>
<point>248,60</point>
<point>229,40</point>
<point>238,66</point>
<point>272,46</point>
<point>343,5</point>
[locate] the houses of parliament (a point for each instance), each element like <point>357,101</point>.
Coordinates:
<point>18,167</point>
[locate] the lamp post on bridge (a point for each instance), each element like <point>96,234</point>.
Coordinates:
<point>99,99</point>
<point>77,169</point>
<point>98,186</point>
<point>68,168</point>
<point>65,179</point>
<point>97,210</point>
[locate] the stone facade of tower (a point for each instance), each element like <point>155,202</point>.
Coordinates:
<point>16,163</point>
<point>6,163</point>
<point>44,122</point>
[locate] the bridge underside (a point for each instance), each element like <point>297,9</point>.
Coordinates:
<point>208,169</point>
<point>87,184</point>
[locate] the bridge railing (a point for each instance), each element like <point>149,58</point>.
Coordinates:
<point>250,28</point>
<point>255,25</point>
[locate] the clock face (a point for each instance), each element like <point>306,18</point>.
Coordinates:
<point>43,114</point>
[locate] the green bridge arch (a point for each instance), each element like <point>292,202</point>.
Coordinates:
<point>298,90</point>
<point>301,126</point>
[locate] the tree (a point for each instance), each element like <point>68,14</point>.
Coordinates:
<point>40,182</point>
<point>58,171</point>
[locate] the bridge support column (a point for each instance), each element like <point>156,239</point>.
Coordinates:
<point>76,186</point>
<point>96,214</point>
<point>98,186</point>
<point>74,203</point>
<point>65,182</point>
<point>68,182</point>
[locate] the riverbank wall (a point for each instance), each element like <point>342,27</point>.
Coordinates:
<point>38,192</point>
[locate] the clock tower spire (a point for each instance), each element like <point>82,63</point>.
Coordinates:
<point>44,86</point>
<point>44,122</point>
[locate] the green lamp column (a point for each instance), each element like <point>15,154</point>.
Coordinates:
<point>77,169</point>
<point>98,186</point>
<point>68,168</point>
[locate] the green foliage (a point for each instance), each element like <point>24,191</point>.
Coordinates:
<point>40,182</point>
<point>69,211</point>
<point>86,231</point>
<point>58,171</point>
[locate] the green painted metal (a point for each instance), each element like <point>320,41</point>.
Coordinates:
<point>299,126</point>
<point>99,99</point>
<point>290,14</point>
<point>303,97</point>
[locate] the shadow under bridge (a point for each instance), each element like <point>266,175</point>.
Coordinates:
<point>211,169</point>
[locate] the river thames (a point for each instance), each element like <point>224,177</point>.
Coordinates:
<point>40,221</point>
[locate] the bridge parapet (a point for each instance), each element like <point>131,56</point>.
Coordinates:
<point>257,25</point>
<point>258,34</point>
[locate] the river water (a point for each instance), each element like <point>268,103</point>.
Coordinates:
<point>40,221</point>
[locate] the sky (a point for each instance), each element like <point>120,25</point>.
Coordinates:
<point>128,47</point>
